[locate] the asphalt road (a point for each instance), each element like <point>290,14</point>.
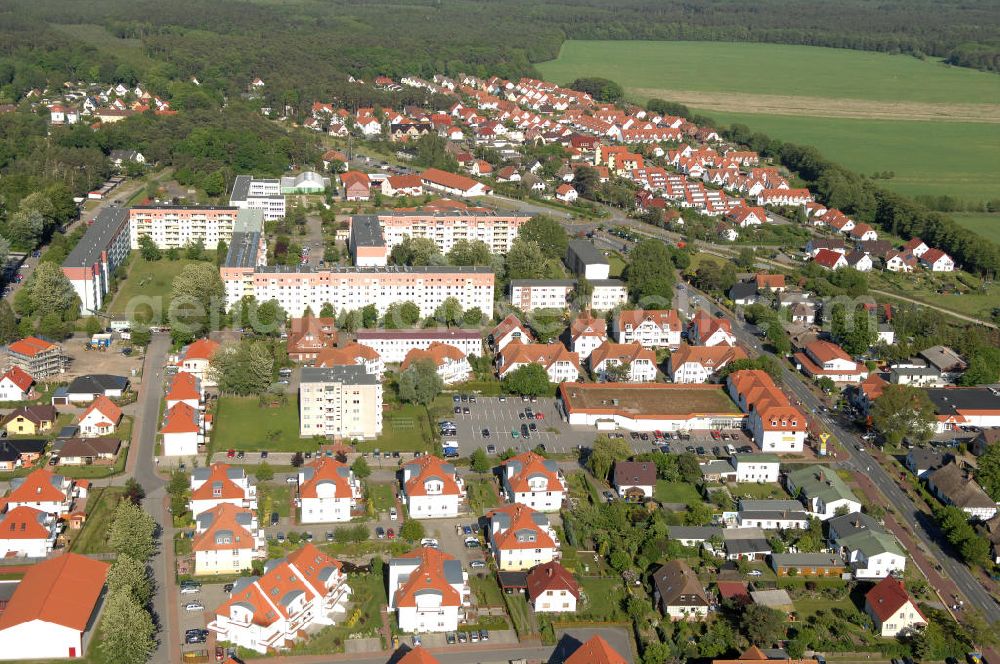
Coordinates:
<point>862,462</point>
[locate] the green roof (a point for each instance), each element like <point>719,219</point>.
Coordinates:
<point>763,457</point>
<point>822,483</point>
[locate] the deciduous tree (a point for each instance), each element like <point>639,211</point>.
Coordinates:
<point>420,383</point>
<point>904,411</point>
<point>529,379</point>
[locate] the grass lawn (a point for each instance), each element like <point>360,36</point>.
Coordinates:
<point>274,497</point>
<point>604,597</point>
<point>617,264</point>
<point>676,492</point>
<point>758,491</point>
<point>807,607</point>
<point>93,538</point>
<point>520,614</point>
<point>482,494</point>
<point>405,428</point>
<point>381,495</point>
<point>987,225</point>
<point>486,589</point>
<point>145,293</point>
<point>241,424</point>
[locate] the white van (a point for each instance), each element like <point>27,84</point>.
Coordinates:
<point>730,450</point>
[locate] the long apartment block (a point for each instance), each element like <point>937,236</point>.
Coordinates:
<point>94,259</point>
<point>177,226</point>
<point>297,288</point>
<point>373,236</point>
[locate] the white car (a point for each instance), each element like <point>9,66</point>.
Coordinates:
<point>755,572</point>
<point>429,541</point>
<point>190,590</point>
<point>194,606</point>
<point>392,514</point>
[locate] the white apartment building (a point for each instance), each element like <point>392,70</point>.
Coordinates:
<point>641,362</point>
<point>521,538</point>
<point>759,468</point>
<point>303,287</point>
<point>312,590</point>
<point>394,345</point>
<point>432,488</point>
<point>586,334</point>
<point>328,491</point>
<point>177,226</point>
<point>452,364</point>
<point>775,424</point>
<point>97,255</point>
<point>250,193</point>
<point>221,483</point>
<point>445,227</point>
<point>697,364</point>
<point>341,401</point>
<point>429,591</point>
<point>531,294</point>
<point>560,364</point>
<point>652,328</point>
<point>534,481</point>
<point>607,294</point>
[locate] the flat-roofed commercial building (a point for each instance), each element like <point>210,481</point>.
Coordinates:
<point>250,193</point>
<point>95,257</point>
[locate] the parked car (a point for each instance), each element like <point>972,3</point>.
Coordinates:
<point>392,513</point>
<point>391,534</point>
<point>379,532</point>
<point>484,635</point>
<point>194,606</point>
<point>463,637</point>
<point>429,541</point>
<point>477,564</point>
<point>190,588</point>
<point>491,449</point>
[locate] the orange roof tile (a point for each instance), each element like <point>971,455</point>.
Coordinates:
<point>224,533</point>
<point>522,519</point>
<point>427,468</point>
<point>438,352</point>
<point>202,349</point>
<point>418,656</point>
<point>428,576</point>
<point>218,476</point>
<point>586,324</point>
<point>181,418</point>
<point>595,651</point>
<point>887,597</point>
<point>30,346</point>
<point>21,378</point>
<point>183,387</point>
<point>531,465</point>
<point>448,180</point>
<point>707,356</point>
<point>544,354</point>
<point>659,317</point>
<point>327,471</point>
<point>37,487</point>
<point>24,523</point>
<point>62,590</point>
<point>624,353</point>
<point>105,407</point>
<point>351,354</point>
<point>507,325</point>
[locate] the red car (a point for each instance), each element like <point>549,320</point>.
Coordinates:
<point>539,416</point>
<point>390,534</point>
<point>230,454</point>
<point>219,654</point>
<point>716,435</point>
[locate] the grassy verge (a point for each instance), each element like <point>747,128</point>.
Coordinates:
<point>482,494</point>
<point>381,495</point>
<point>405,428</point>
<point>484,587</point>
<point>604,599</point>
<point>100,506</point>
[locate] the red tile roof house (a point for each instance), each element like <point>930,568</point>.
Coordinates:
<point>185,388</point>
<point>25,531</point>
<point>308,335</point>
<point>831,260</point>
<point>429,591</point>
<point>42,490</point>
<point>182,431</point>
<point>775,424</point>
<point>328,491</point>
<point>937,261</point>
<point>708,330</point>
<point>416,655</point>
<point>304,590</point>
<point>892,610</point>
<point>452,364</point>
<point>696,364</point>
<point>566,193</point>
<point>521,538</point>
<point>534,481</point>
<point>653,328</point>
<point>641,362</point>
<point>826,359</point>
<point>52,608</point>
<point>595,651</point>
<point>196,357</point>
<point>357,186</point>
<point>38,357</point>
<point>221,483</point>
<point>559,363</point>
<point>450,183</point>
<point>509,330</point>
<point>553,589</point>
<point>101,418</point>
<point>432,488</point>
<point>16,384</point>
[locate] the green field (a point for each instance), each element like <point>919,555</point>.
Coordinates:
<point>772,69</point>
<point>934,126</point>
<point>987,225</point>
<point>147,288</point>
<point>676,492</point>
<point>957,158</point>
<point>241,424</point>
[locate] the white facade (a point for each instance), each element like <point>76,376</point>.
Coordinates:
<point>877,566</point>
<point>429,590</point>
<point>9,391</point>
<point>432,489</point>
<point>529,295</point>
<point>653,331</point>
<point>608,294</point>
<point>343,401</point>
<point>756,468</point>
<point>253,194</point>
<point>538,483</point>
<point>175,227</point>
<point>393,345</point>
<point>556,601</point>
<point>40,639</point>
<point>221,483</point>
<point>327,494</point>
<point>641,370</point>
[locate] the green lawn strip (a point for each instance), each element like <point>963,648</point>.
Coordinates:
<point>405,428</point>
<point>604,598</point>
<point>482,494</point>
<point>242,424</point>
<point>617,264</point>
<point>675,492</point>
<point>93,538</point>
<point>382,495</point>
<point>987,225</point>
<point>273,497</point>
<point>484,586</point>
<point>757,491</point>
<point>517,607</point>
<point>151,281</point>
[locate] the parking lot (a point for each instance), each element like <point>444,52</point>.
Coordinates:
<point>505,416</point>
<point>210,596</point>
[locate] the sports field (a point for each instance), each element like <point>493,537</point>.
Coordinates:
<point>934,126</point>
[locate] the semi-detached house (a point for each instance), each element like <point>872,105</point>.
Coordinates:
<point>226,540</point>
<point>697,364</point>
<point>328,491</point>
<point>429,591</point>
<point>560,364</point>
<point>221,483</point>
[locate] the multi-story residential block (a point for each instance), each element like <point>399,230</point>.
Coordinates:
<point>341,401</point>
<point>328,491</point>
<point>96,256</point>
<point>226,540</point>
<point>38,357</point>
<point>394,345</point>
<point>606,294</point>
<point>298,288</point>
<point>534,481</point>
<point>521,538</point>
<point>221,483</point>
<point>531,294</point>
<point>432,488</point>
<point>623,363</point>
<point>250,193</point>
<point>177,226</point>
<point>586,333</point>
<point>776,425</point>
<point>304,590</point>
<point>429,590</point>
<point>28,532</point>
<point>697,364</point>
<point>452,364</point>
<point>553,589</point>
<point>653,328</point>
<point>444,227</point>
<point>559,363</point>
